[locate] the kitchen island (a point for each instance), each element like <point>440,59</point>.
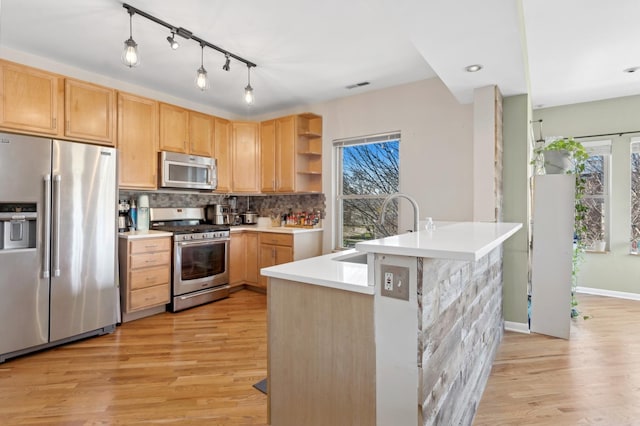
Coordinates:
<point>402,330</point>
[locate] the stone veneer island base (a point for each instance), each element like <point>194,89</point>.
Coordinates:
<point>342,353</point>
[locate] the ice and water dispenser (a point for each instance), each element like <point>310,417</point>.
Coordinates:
<point>18,225</point>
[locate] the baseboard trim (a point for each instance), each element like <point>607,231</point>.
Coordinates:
<point>518,327</point>
<point>608,293</point>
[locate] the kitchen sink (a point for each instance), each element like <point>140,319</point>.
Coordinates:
<point>356,257</point>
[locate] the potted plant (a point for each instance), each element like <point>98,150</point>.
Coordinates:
<point>566,155</point>
<point>562,156</point>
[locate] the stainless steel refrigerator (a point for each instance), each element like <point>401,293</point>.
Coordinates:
<point>58,231</point>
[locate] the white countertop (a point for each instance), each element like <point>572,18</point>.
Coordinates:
<point>133,235</point>
<point>450,240</point>
<point>275,229</point>
<point>325,271</point>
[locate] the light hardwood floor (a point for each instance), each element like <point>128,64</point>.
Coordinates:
<point>591,379</point>
<point>197,367</point>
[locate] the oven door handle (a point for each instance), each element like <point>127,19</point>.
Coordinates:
<point>201,242</point>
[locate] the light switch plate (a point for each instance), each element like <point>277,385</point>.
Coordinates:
<point>394,281</point>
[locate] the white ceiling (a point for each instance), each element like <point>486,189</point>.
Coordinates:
<point>308,51</point>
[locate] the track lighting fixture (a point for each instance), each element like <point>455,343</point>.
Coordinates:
<point>202,81</point>
<point>172,41</point>
<point>131,59</point>
<point>130,53</point>
<point>248,91</point>
<point>226,66</point>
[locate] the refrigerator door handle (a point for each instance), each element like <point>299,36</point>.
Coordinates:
<point>46,252</point>
<point>56,226</point>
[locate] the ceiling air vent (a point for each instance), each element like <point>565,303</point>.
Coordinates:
<point>362,83</point>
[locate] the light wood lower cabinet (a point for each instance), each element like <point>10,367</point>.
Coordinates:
<point>243,259</point>
<point>252,250</point>
<point>277,248</point>
<point>145,273</point>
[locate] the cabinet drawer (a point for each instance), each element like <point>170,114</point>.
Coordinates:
<point>148,260</point>
<point>142,278</point>
<point>149,245</point>
<point>148,297</point>
<point>277,239</point>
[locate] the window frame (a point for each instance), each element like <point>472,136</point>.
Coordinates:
<point>339,196</point>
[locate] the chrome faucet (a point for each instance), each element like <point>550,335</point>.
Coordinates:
<point>414,203</point>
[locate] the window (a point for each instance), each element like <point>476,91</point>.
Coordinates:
<point>596,197</point>
<point>367,172</point>
<point>635,193</point>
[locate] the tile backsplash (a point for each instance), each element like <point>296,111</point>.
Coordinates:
<point>265,205</point>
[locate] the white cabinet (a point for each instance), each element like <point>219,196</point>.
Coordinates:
<point>553,219</point>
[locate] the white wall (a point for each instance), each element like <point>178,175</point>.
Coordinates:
<point>616,270</point>
<point>435,152</point>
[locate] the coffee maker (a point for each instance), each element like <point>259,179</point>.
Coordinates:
<point>218,214</point>
<point>123,215</point>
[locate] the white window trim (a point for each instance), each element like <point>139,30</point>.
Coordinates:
<point>338,196</point>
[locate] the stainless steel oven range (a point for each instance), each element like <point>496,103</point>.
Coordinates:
<point>200,269</point>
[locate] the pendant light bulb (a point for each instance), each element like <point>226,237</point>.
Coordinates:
<point>130,55</point>
<point>202,81</point>
<point>248,91</point>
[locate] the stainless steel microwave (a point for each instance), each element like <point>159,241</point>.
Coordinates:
<point>187,171</point>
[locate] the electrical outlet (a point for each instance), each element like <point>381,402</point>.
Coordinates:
<point>395,281</point>
<point>388,281</point>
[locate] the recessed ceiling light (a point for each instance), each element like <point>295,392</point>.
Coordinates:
<point>473,68</point>
<point>631,70</point>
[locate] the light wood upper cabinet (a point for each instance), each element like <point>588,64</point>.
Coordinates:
<point>245,156</point>
<point>222,153</point>
<point>285,154</point>
<point>291,154</point>
<point>137,141</point>
<point>201,132</point>
<point>174,128</point>
<point>89,112</point>
<point>277,155</point>
<point>185,131</point>
<point>268,156</point>
<point>30,99</point>
<point>308,153</point>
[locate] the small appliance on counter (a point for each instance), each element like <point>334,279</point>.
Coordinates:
<point>123,216</point>
<point>249,217</point>
<point>143,213</point>
<point>218,214</point>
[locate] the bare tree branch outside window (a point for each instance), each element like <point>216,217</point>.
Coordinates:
<point>369,174</point>
<point>594,198</point>
<point>635,193</point>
